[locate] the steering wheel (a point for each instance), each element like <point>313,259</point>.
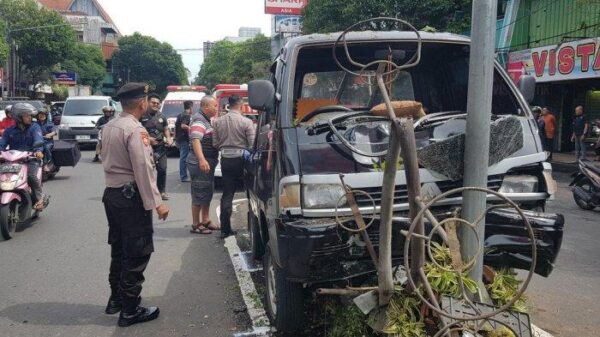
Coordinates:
<point>324,109</point>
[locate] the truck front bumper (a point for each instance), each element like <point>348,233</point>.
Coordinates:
<point>318,251</point>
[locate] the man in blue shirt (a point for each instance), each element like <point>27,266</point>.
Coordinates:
<point>580,129</point>
<point>27,136</point>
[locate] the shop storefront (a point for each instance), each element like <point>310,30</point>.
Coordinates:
<point>568,75</point>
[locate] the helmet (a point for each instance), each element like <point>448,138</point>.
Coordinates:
<point>8,109</point>
<point>108,109</point>
<point>536,109</point>
<point>21,109</point>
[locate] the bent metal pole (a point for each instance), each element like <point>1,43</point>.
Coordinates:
<point>479,110</point>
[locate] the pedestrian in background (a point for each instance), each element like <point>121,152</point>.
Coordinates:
<point>537,113</point>
<point>234,134</point>
<point>129,198</point>
<point>202,161</point>
<point>8,121</point>
<point>597,146</point>
<point>108,113</point>
<point>550,127</point>
<point>182,128</point>
<point>157,126</point>
<point>580,129</point>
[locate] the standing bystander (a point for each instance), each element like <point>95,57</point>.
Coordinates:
<point>129,198</point>
<point>182,128</point>
<point>537,113</point>
<point>550,127</point>
<point>157,126</point>
<point>234,134</point>
<point>580,129</point>
<point>202,161</point>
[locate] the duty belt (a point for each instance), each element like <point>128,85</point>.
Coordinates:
<point>232,153</point>
<point>129,190</point>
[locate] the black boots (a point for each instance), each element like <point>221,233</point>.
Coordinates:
<point>114,305</point>
<point>96,159</point>
<point>140,315</point>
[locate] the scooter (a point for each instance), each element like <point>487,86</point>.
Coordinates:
<point>586,182</point>
<point>16,205</point>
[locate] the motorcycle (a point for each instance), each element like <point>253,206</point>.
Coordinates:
<point>49,169</point>
<point>16,205</point>
<point>586,185</point>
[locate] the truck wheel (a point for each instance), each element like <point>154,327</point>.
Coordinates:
<point>8,221</point>
<point>258,248</point>
<point>586,185</point>
<point>285,299</point>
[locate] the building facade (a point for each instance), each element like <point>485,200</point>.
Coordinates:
<point>93,25</point>
<point>557,41</point>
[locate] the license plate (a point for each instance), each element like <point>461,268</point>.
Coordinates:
<point>82,137</point>
<point>10,168</point>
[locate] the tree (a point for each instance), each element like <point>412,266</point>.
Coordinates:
<point>142,58</point>
<point>87,61</point>
<point>325,16</point>
<point>43,37</point>
<point>3,44</point>
<point>230,62</point>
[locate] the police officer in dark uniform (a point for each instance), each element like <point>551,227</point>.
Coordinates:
<point>157,126</point>
<point>129,198</point>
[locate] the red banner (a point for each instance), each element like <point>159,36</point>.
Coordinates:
<point>289,7</point>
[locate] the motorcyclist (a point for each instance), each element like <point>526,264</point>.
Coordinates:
<point>108,114</point>
<point>48,132</point>
<point>27,136</point>
<point>8,121</point>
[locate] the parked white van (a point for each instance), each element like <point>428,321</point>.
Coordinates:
<point>80,115</point>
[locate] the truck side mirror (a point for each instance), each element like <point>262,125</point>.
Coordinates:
<point>261,95</point>
<point>527,87</point>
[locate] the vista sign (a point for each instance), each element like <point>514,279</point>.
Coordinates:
<point>288,7</point>
<point>566,61</point>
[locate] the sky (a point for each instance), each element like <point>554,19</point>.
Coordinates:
<point>186,24</point>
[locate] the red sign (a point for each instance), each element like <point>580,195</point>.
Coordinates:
<point>290,7</point>
<point>566,61</point>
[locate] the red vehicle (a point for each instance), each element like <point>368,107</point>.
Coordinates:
<point>222,92</point>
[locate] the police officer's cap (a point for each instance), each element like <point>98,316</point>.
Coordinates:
<point>133,90</point>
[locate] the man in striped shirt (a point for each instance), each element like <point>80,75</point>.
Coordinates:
<point>202,161</point>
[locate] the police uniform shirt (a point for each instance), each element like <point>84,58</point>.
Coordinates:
<point>128,157</point>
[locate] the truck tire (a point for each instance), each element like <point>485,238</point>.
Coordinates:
<point>257,245</point>
<point>284,299</point>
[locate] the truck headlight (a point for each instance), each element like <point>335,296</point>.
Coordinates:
<point>519,184</point>
<point>323,196</point>
<point>289,196</point>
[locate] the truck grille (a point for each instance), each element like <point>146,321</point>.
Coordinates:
<point>401,192</point>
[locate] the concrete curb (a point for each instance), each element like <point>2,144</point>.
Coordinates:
<point>254,306</point>
<point>537,332</point>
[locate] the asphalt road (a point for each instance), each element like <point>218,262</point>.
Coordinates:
<point>567,303</point>
<point>53,275</point>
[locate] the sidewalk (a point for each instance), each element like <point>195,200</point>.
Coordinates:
<point>567,162</point>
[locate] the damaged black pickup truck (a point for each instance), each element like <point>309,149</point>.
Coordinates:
<point>311,108</point>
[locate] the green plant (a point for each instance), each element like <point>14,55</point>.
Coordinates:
<point>346,321</point>
<point>443,281</point>
<point>404,317</point>
<point>504,288</point>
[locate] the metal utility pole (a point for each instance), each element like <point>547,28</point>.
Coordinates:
<point>479,111</point>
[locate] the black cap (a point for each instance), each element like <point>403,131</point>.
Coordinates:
<point>133,90</point>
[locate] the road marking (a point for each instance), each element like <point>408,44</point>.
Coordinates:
<point>254,305</point>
